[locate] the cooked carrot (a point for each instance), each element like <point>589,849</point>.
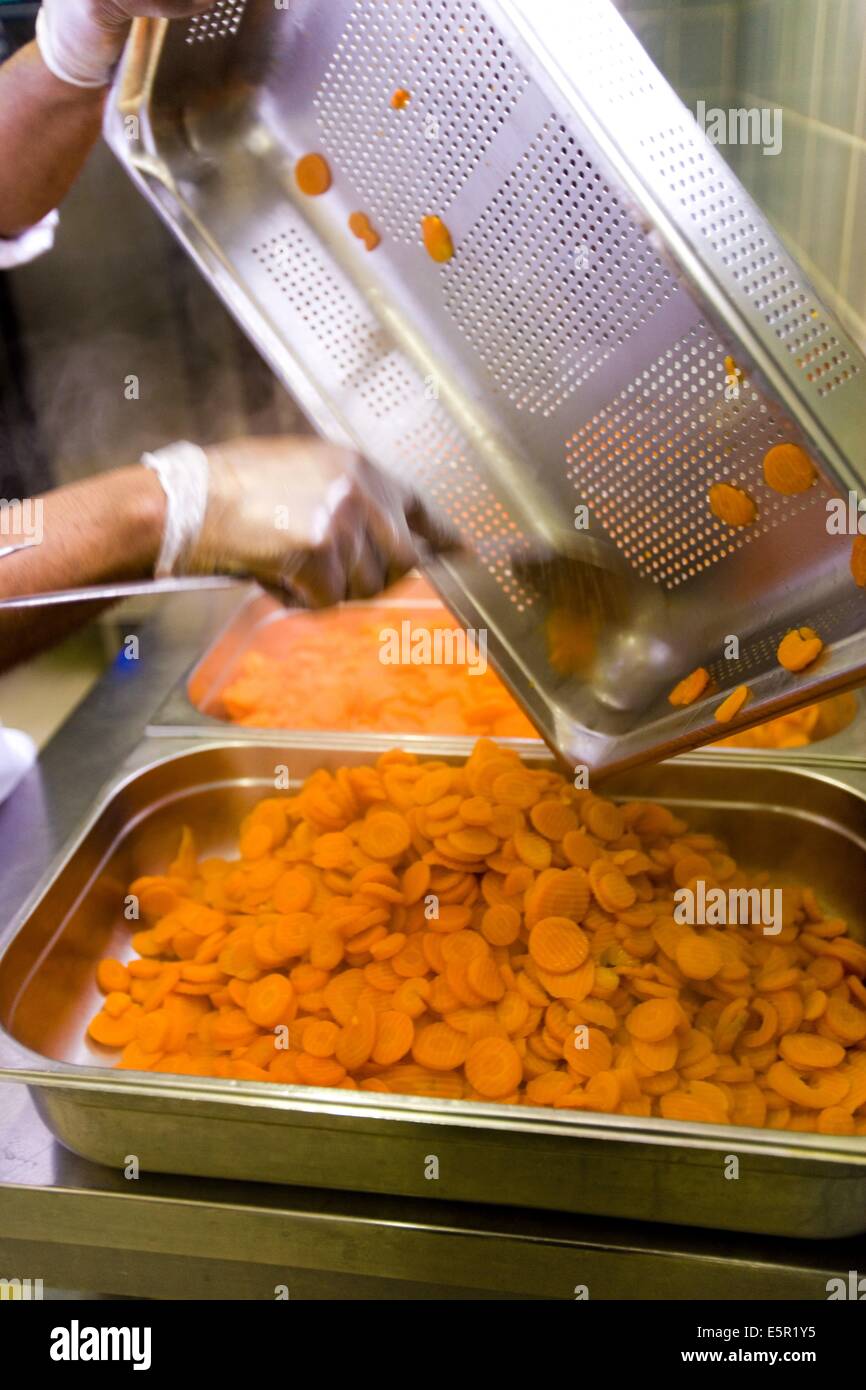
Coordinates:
<point>321,1038</point>
<point>269,1001</point>
<point>494,1067</point>
<point>115,1032</point>
<point>732,505</point>
<point>256,842</point>
<point>319,1071</point>
<point>313,175</point>
<point>384,836</point>
<point>232,1029</point>
<point>437,239</point>
<point>557,944</point>
<point>690,689</point>
<point>439,1047</point>
<point>112,977</point>
<point>588,1051</point>
<point>698,957</point>
<point>400,99</point>
<point>808,1050</point>
<point>654,1019</point>
<point>553,819</point>
<point>415,882</point>
<point>293,892</point>
<point>799,649</point>
<point>789,470</point>
<point>293,934</point>
<point>361,227</point>
<point>358,1037</point>
<point>731,706</point>
<point>499,978</point>
<point>395,1032</point>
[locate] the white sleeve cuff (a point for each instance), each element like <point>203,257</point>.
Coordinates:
<point>31,244</point>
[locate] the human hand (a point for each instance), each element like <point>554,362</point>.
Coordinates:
<point>81,41</point>
<point>311,520</point>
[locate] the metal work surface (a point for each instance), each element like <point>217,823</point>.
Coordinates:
<point>572,354</point>
<point>77,1223</point>
<point>73,1223</point>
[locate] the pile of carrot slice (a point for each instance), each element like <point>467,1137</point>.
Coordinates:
<point>331,677</point>
<point>488,933</point>
<point>800,727</point>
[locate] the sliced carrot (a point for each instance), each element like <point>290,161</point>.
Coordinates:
<point>384,836</point>
<point>115,1032</point>
<point>731,706</point>
<point>112,977</point>
<point>269,1001</point>
<point>256,842</point>
<point>415,882</point>
<point>557,944</point>
<point>358,1037</point>
<point>655,1019</point>
<point>437,239</point>
<point>808,1050</point>
<point>587,1051</point>
<point>690,689</point>
<point>799,649</point>
<point>698,957</point>
<point>732,505</point>
<point>321,1038</point>
<point>319,1071</point>
<point>789,470</point>
<point>494,1067</point>
<point>313,175</point>
<point>395,1032</point>
<point>438,1047</point>
<point>293,892</point>
<point>553,819</point>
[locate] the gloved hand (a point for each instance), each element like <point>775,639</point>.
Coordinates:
<point>81,40</point>
<point>311,520</point>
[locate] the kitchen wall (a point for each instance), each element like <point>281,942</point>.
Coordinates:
<point>808,58</point>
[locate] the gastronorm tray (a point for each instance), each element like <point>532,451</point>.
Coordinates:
<point>809,825</point>
<point>571,358</point>
<point>192,707</point>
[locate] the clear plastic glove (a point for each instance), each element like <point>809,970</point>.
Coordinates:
<point>310,520</point>
<point>81,40</point>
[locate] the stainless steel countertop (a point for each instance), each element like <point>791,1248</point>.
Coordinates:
<point>77,1225</point>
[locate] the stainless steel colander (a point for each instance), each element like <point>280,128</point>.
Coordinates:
<point>572,354</point>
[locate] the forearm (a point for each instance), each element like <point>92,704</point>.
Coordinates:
<point>47,130</point>
<point>107,528</point>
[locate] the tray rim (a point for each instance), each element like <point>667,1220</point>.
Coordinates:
<point>32,1069</point>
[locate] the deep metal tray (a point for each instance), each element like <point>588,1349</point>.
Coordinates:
<point>806,825</point>
<point>193,709</point>
<point>572,354</point>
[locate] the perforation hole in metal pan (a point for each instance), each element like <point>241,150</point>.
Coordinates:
<point>464,85</point>
<point>363,355</point>
<point>646,462</point>
<point>723,218</point>
<point>541,332</point>
<point>834,622</point>
<point>378,378</point>
<point>221,21</point>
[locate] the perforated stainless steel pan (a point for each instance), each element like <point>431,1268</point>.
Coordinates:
<point>572,354</point>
